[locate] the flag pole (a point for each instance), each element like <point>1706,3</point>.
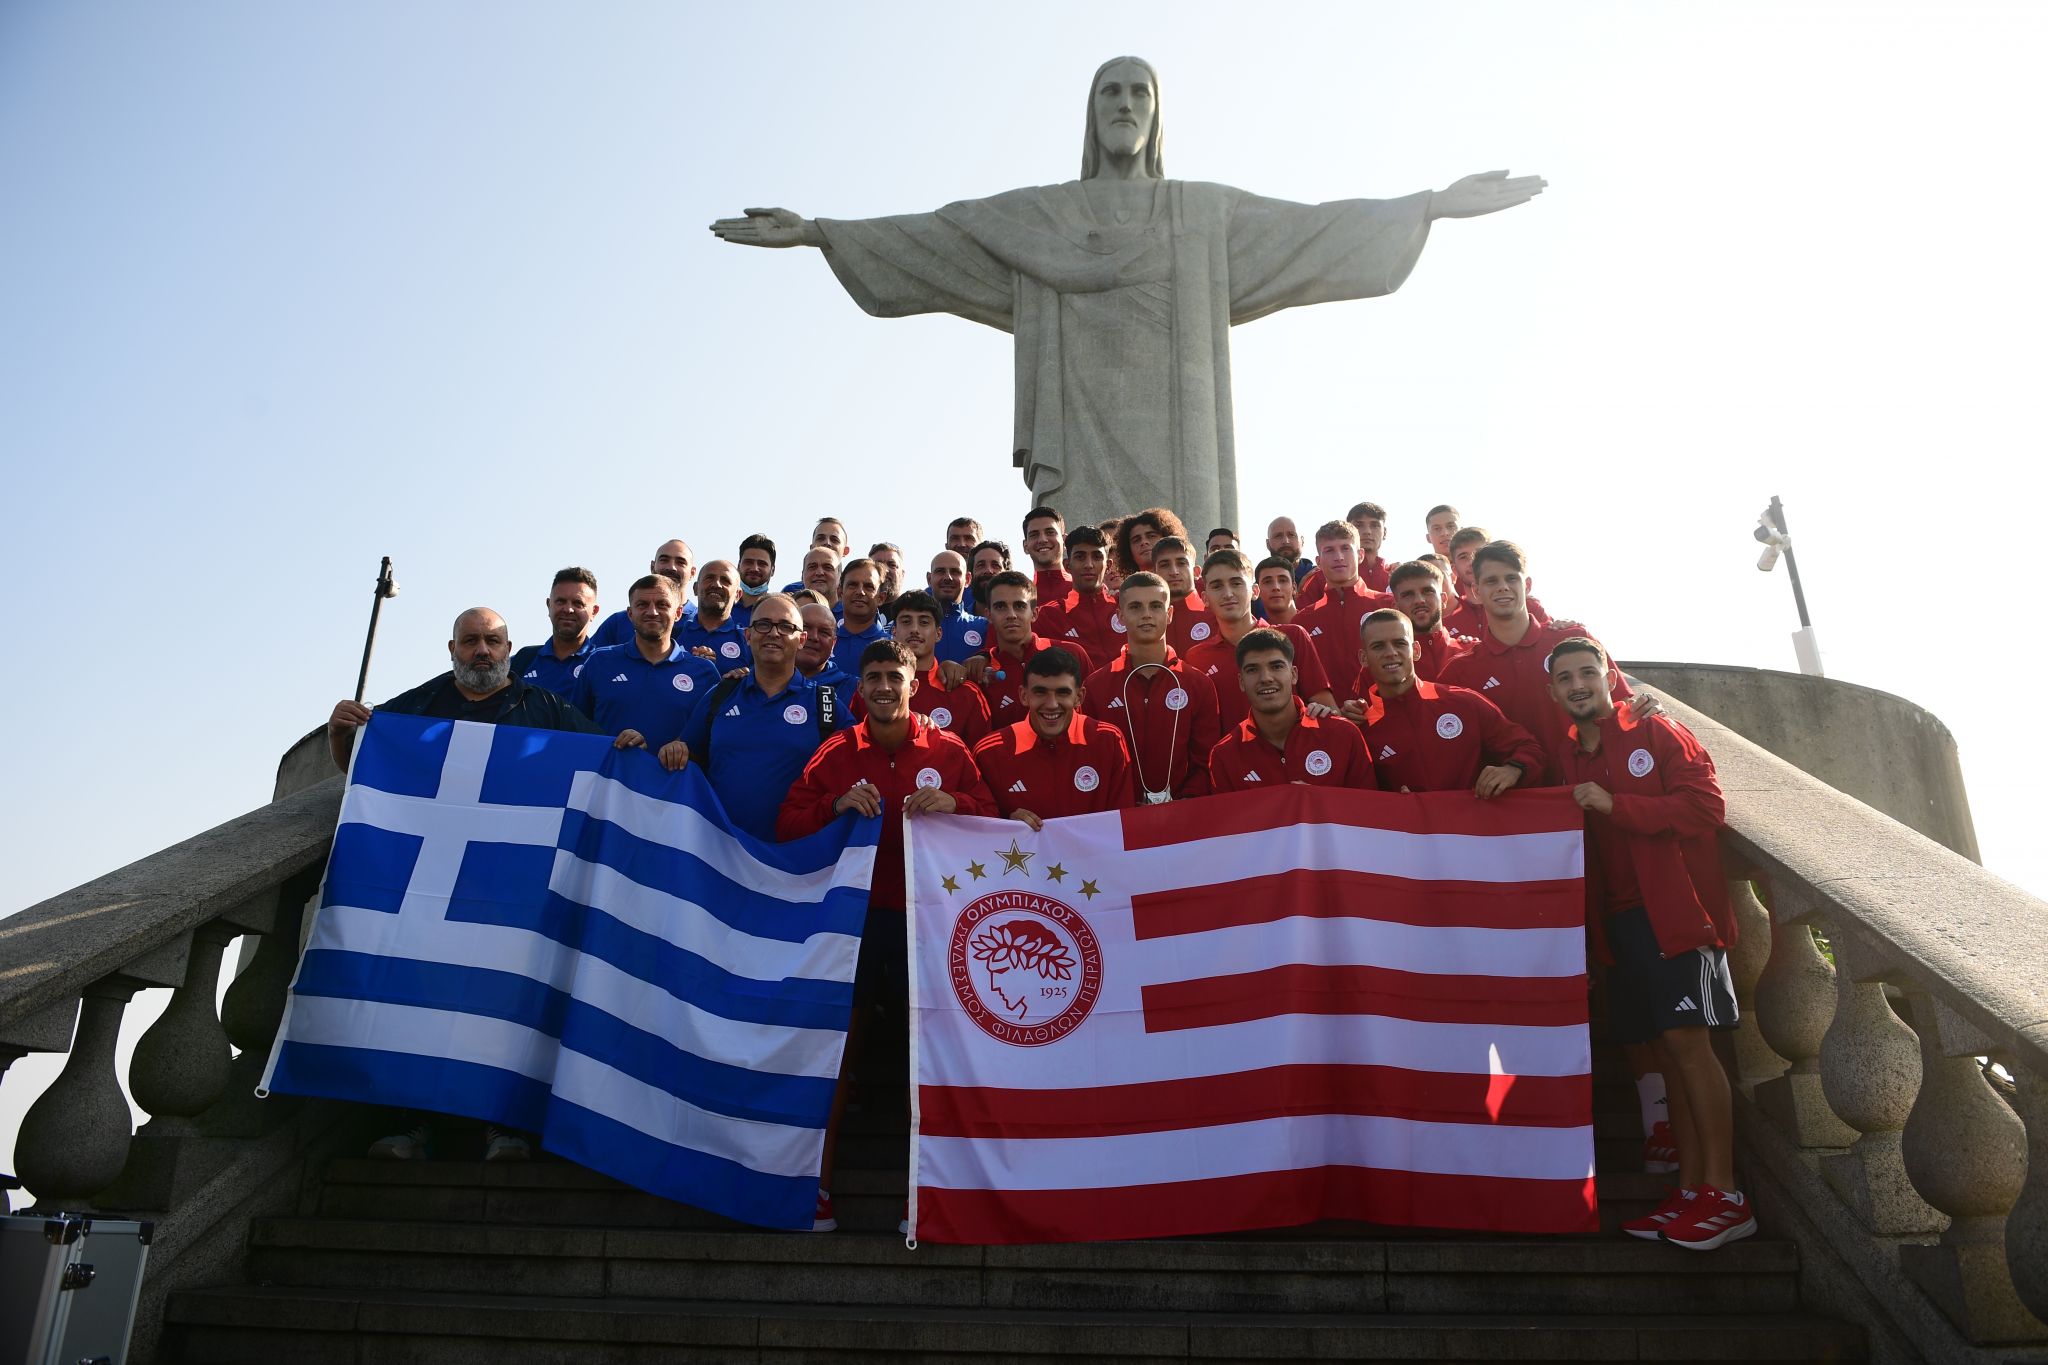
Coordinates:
<point>386,586</point>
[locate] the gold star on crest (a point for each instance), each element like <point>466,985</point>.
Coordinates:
<point>1015,859</point>
<point>950,884</point>
<point>977,871</point>
<point>1090,890</point>
<point>1055,873</point>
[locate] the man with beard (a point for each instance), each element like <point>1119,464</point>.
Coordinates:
<point>711,632</point>
<point>755,733</point>
<point>1284,542</point>
<point>888,557</point>
<point>757,571</point>
<point>479,686</point>
<point>1280,741</point>
<point>1229,595</point>
<point>1165,710</point>
<point>1056,761</point>
<point>1086,616</point>
<point>645,692</point>
<point>860,622</point>
<point>673,561</point>
<point>1045,540</point>
<point>821,633</point>
<point>572,605</point>
<point>984,561</point>
<point>962,634</point>
<point>1418,592</point>
<point>1430,737</point>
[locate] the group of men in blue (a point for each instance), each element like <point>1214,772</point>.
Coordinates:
<point>712,665</point>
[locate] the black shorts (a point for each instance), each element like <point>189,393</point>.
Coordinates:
<point>1649,993</point>
<point>883,976</point>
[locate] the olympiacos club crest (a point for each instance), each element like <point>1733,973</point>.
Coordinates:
<point>1025,967</point>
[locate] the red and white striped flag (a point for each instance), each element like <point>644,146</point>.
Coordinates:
<point>1251,1011</point>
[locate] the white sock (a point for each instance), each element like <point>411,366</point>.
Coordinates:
<point>1650,1094</point>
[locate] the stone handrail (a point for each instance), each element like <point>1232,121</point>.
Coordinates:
<point>1867,1114</point>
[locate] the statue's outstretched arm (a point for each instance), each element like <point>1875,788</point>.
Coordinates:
<point>1487,192</point>
<point>774,227</point>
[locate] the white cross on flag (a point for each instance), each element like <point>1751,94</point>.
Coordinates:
<point>1249,1012</point>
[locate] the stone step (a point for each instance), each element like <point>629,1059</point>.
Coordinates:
<point>340,1327</point>
<point>550,1192</point>
<point>1435,1274</point>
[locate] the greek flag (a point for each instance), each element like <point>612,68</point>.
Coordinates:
<point>537,930</point>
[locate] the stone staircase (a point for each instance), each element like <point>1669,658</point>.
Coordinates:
<point>458,1261</point>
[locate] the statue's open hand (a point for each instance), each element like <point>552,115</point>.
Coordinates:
<point>768,227</point>
<point>1487,192</point>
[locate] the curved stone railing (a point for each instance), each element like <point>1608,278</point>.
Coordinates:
<point>1871,1131</point>
<point>1870,1120</point>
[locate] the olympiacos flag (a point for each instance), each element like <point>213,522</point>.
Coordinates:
<point>1251,1011</point>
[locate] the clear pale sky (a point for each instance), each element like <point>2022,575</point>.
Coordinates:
<point>286,287</point>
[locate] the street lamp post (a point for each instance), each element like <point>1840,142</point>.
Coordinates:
<point>387,586</point>
<point>1770,529</point>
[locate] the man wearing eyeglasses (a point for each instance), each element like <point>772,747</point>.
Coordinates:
<point>754,734</point>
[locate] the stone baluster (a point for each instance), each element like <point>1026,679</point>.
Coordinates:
<point>181,1064</point>
<point>1754,1060</point>
<point>2026,1225</point>
<point>254,1007</point>
<point>75,1137</point>
<point>1870,1071</point>
<point>1966,1151</point>
<point>1795,1001</point>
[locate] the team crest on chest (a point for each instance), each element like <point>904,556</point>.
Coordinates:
<point>1449,726</point>
<point>1199,631</point>
<point>1026,968</point>
<point>1640,762</point>
<point>972,637</point>
<point>1116,623</point>
<point>730,649</point>
<point>685,683</point>
<point>928,777</point>
<point>1086,779</point>
<point>795,715</point>
<point>1316,764</point>
<point>1177,699</point>
<point>941,717</point>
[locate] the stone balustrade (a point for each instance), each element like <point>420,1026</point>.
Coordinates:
<point>1884,974</point>
<point>1877,970</point>
<point>162,921</point>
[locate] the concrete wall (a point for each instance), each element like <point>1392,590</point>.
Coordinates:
<point>1881,749</point>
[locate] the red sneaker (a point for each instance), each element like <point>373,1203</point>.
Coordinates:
<point>1660,1153</point>
<point>1652,1224</point>
<point>1716,1216</point>
<point>824,1221</point>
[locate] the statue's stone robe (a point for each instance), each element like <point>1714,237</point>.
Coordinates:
<point>1123,330</point>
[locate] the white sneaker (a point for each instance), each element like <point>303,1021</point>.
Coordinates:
<point>413,1146</point>
<point>501,1145</point>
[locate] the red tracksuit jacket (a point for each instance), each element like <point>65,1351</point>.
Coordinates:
<point>1084,771</point>
<point>1333,624</point>
<point>1168,719</point>
<point>930,757</point>
<point>1667,812</point>
<point>1516,678</point>
<point>1320,753</point>
<point>1090,622</point>
<point>1005,695</point>
<point>1216,660</point>
<point>1435,738</point>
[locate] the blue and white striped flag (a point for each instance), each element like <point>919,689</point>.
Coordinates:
<point>537,930</point>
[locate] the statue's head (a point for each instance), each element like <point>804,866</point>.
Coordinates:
<point>1123,117</point>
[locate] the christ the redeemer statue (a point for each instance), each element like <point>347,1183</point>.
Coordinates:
<point>1120,289</point>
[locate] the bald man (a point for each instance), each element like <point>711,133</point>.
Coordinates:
<point>673,561</point>
<point>478,686</point>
